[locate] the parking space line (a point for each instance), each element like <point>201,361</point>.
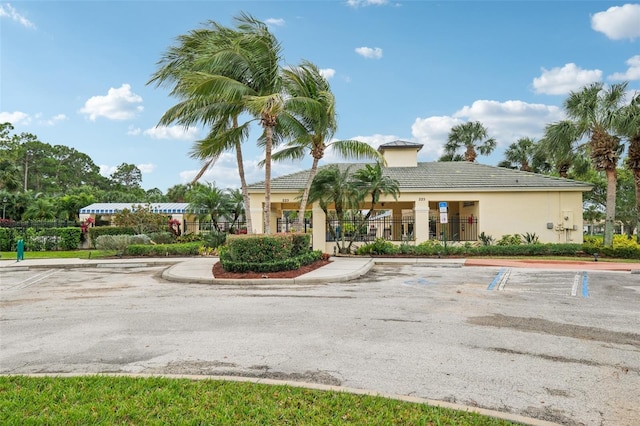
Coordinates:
<point>585,284</point>
<point>500,279</point>
<point>576,283</point>
<point>33,279</point>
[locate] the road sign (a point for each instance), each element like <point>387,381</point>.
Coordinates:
<point>443,206</point>
<point>443,217</point>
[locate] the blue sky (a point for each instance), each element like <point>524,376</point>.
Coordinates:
<point>74,72</point>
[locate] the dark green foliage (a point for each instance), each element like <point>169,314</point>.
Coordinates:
<point>267,253</point>
<point>186,249</point>
<point>379,246</point>
<point>40,239</point>
<point>215,239</point>
<point>6,239</point>
<point>162,237</point>
<point>97,231</point>
<point>273,266</point>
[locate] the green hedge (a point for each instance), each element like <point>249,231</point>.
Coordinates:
<point>258,249</point>
<point>274,266</point>
<point>97,231</point>
<point>186,249</point>
<point>41,239</point>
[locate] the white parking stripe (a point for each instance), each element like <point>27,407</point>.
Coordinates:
<point>33,279</point>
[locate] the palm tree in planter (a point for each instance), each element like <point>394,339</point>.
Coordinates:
<point>309,123</point>
<point>371,182</point>
<point>595,112</point>
<point>472,136</point>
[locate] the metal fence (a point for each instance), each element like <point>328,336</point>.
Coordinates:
<point>288,225</point>
<point>35,224</point>
<point>392,228</point>
<point>207,227</point>
<point>457,229</point>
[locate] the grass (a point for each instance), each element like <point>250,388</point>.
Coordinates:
<point>70,254</point>
<point>162,401</point>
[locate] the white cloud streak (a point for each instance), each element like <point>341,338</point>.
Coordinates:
<point>369,52</point>
<point>15,117</point>
<point>172,132</point>
<point>327,73</point>
<point>632,73</point>
<point>8,11</point>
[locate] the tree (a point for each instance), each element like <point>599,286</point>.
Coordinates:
<point>208,202</point>
<point>520,155</point>
<point>9,176</point>
<point>40,209</point>
<point>595,111</point>
<point>629,126</point>
<point>472,136</point>
<point>220,73</point>
<point>309,122</point>
<point>370,181</point>
<point>557,146</point>
<point>235,206</point>
<point>127,175</point>
<point>177,193</point>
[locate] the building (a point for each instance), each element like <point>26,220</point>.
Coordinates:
<point>456,201</point>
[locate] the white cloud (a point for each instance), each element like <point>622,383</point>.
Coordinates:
<point>633,73</point>
<point>146,168</point>
<point>363,3</point>
<point>118,104</point>
<point>8,11</point>
<point>560,81</point>
<point>16,117</point>
<point>274,21</point>
<point>432,132</point>
<point>134,131</point>
<point>511,120</point>
<point>54,120</point>
<point>107,171</point>
<point>618,22</point>
<point>327,73</point>
<point>225,171</point>
<point>172,132</point>
<point>369,52</point>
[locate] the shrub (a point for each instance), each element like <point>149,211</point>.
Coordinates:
<point>259,248</point>
<point>214,239</point>
<point>185,249</point>
<point>98,231</point>
<point>379,246</point>
<point>510,240</point>
<point>113,242</point>
<point>486,240</point>
<point>162,237</point>
<point>530,238</point>
<point>273,266</point>
<point>429,248</point>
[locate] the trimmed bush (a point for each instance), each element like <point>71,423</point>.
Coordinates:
<point>186,249</point>
<point>379,246</point>
<point>98,231</point>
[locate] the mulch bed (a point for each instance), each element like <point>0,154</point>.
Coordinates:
<point>218,272</point>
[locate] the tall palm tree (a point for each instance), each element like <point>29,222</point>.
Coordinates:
<point>309,122</point>
<point>595,111</point>
<point>629,126</point>
<point>520,155</point>
<point>219,73</point>
<point>471,135</point>
<point>558,146</point>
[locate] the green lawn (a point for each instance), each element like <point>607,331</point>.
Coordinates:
<point>71,254</point>
<point>161,401</point>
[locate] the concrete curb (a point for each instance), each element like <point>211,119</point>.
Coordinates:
<point>516,418</point>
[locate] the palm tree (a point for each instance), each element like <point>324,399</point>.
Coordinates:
<point>629,126</point>
<point>9,176</point>
<point>40,208</point>
<point>595,111</point>
<point>332,188</point>
<point>557,146</point>
<point>208,202</point>
<point>520,155</point>
<point>371,181</point>
<point>472,136</point>
<point>235,205</point>
<point>309,122</point>
<point>220,73</point>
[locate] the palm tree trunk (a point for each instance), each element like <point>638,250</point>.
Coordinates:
<point>267,179</point>
<point>636,181</point>
<point>610,215</point>
<point>245,191</point>
<point>305,194</point>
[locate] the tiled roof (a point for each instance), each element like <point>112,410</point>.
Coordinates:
<point>446,176</point>
<point>111,208</point>
<point>400,144</point>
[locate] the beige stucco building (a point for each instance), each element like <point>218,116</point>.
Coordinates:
<point>456,201</point>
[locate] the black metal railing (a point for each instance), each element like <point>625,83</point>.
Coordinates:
<point>38,224</point>
<point>289,225</point>
<point>392,228</point>
<point>209,226</point>
<point>456,229</point>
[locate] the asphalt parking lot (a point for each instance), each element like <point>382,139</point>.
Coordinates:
<point>562,346</point>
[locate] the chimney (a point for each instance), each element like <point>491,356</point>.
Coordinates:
<point>400,153</point>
